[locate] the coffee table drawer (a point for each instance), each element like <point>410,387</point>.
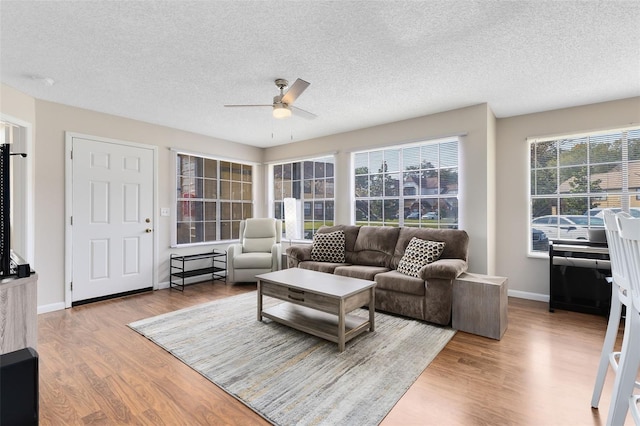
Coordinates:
<point>300,297</point>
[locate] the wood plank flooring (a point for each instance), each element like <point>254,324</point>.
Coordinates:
<point>95,370</point>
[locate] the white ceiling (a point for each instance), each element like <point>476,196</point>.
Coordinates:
<point>176,63</point>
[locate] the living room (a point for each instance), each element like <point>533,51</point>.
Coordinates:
<point>491,182</point>
<point>493,185</point>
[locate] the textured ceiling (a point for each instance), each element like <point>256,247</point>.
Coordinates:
<point>176,63</point>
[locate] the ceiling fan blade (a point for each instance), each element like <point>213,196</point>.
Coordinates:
<point>299,112</point>
<point>294,91</point>
<point>261,105</point>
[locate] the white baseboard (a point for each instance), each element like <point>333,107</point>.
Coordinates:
<point>530,296</point>
<point>512,293</point>
<point>51,307</point>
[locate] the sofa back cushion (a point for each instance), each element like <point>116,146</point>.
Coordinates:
<point>350,235</point>
<point>258,235</point>
<point>456,242</point>
<point>375,246</point>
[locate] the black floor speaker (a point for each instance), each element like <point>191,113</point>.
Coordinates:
<point>19,388</point>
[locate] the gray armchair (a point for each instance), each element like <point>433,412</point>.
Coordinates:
<point>258,252</point>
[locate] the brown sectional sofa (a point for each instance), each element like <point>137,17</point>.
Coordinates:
<point>373,253</point>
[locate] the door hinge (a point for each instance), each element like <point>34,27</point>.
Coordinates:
<point>71,285</point>
<point>72,154</point>
<point>71,221</point>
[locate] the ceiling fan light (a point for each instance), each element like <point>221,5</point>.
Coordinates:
<point>281,111</point>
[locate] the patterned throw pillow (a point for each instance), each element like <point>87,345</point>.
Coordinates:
<point>419,253</point>
<point>328,247</point>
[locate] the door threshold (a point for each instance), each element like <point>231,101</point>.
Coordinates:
<point>110,296</point>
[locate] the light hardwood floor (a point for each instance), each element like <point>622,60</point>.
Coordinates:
<point>94,369</point>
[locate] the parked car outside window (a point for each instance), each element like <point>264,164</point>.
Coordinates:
<point>539,240</point>
<point>567,227</point>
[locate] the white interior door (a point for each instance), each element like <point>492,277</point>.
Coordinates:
<point>112,212</point>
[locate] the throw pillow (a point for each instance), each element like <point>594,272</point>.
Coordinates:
<point>419,253</point>
<point>328,247</point>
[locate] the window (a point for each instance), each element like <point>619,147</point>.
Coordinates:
<point>213,196</point>
<point>574,178</point>
<point>411,185</point>
<point>312,182</point>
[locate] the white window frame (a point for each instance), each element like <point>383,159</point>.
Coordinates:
<point>217,200</point>
<point>22,192</point>
<point>622,198</point>
<point>402,220</point>
<point>300,196</point>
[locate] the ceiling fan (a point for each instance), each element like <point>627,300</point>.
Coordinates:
<point>283,103</point>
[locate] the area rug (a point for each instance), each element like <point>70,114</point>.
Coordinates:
<point>289,377</point>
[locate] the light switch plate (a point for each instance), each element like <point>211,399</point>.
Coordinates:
<point>164,211</point>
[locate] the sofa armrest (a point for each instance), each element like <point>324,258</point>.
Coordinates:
<point>443,269</point>
<point>298,253</point>
<point>233,250</point>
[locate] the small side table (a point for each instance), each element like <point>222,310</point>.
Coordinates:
<point>480,305</point>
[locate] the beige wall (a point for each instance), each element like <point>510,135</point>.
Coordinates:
<point>17,104</point>
<point>493,174</point>
<point>51,121</point>
<point>492,195</point>
<point>529,274</point>
<point>477,180</point>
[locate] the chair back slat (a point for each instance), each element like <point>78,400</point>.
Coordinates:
<point>630,235</point>
<point>616,255</point>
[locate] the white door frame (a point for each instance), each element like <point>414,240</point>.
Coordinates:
<point>27,186</point>
<point>68,251</point>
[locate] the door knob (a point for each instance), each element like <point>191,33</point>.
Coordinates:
<point>147,230</point>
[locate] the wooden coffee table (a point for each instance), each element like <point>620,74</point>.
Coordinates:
<point>318,303</point>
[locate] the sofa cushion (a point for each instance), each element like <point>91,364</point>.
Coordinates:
<point>359,271</point>
<point>397,282</point>
<point>252,261</point>
<point>328,247</point>
<point>375,246</point>
<point>327,267</point>
<point>259,235</point>
<point>419,253</point>
<point>456,247</point>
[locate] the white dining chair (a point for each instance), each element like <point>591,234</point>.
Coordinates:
<point>620,296</point>
<point>634,409</point>
<point>622,394</point>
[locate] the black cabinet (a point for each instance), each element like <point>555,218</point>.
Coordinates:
<point>578,277</point>
<point>19,397</point>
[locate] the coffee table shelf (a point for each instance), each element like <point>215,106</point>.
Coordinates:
<point>316,323</point>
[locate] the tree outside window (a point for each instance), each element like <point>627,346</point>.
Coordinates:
<point>413,185</point>
<point>575,178</point>
<point>312,182</point>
